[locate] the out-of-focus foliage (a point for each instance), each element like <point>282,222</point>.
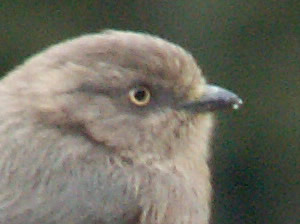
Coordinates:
<point>251,47</point>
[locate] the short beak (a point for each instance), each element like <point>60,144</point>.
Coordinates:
<point>214,98</point>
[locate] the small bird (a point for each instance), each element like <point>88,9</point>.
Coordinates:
<point>107,128</point>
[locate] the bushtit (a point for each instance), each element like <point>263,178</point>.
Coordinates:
<point>107,128</point>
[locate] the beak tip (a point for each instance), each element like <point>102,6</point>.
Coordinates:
<point>237,104</point>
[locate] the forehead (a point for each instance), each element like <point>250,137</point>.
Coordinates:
<point>150,56</point>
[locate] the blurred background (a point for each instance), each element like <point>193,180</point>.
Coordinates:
<point>251,47</point>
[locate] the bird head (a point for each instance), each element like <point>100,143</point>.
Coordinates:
<point>136,94</point>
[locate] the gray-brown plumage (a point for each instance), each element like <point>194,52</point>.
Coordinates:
<point>107,128</point>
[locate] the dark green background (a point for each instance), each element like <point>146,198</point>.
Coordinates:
<point>251,47</point>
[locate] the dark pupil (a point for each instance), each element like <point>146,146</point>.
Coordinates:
<point>140,95</point>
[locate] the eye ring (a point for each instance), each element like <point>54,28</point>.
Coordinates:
<point>140,96</point>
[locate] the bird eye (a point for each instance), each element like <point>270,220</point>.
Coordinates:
<point>140,96</point>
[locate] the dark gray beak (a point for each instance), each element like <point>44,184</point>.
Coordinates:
<point>214,98</point>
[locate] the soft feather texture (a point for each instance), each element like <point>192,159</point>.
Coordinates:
<point>74,149</point>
